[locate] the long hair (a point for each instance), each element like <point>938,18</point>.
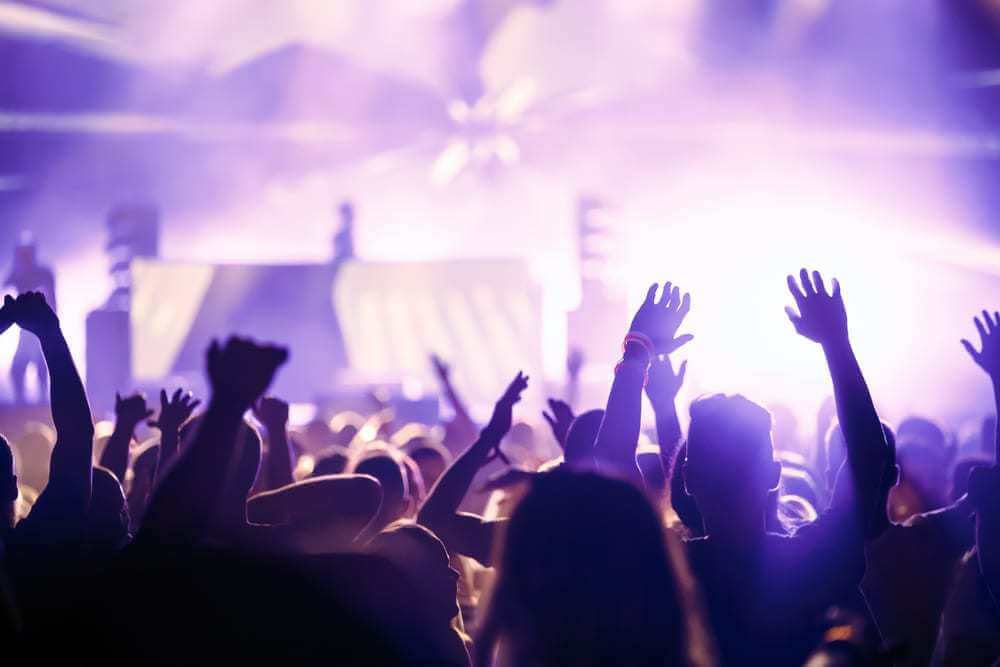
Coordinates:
<point>585,578</point>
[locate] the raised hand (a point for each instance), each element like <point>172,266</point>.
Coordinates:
<point>31,312</point>
<point>272,413</point>
<point>664,384</point>
<point>559,417</point>
<point>821,317</point>
<point>174,410</point>
<point>988,357</point>
<point>131,410</point>
<point>241,370</point>
<point>441,368</point>
<point>659,320</point>
<point>6,313</point>
<point>503,413</point>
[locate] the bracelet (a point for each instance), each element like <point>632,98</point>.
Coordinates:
<point>641,339</point>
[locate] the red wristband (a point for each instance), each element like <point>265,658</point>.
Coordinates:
<point>641,339</point>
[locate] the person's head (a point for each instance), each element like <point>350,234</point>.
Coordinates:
<point>33,452</point>
<point>925,459</point>
<point>423,559</point>
<point>578,450</point>
<point>960,476</point>
<point>836,454</point>
<point>25,254</point>
<point>414,484</point>
<point>385,466</point>
<point>432,459</point>
<point>333,461</point>
<point>785,427</point>
<point>346,212</point>
<point>107,521</point>
<point>648,461</point>
<point>682,502</point>
<point>890,477</point>
<point>987,435</point>
<point>584,557</point>
<point>8,486</point>
<point>730,468</point>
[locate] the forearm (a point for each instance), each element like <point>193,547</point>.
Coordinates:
<point>187,498</point>
<point>996,414</point>
<point>618,436</point>
<point>865,442</point>
<point>668,431</point>
<point>115,454</point>
<point>169,440</point>
<point>444,499</point>
<point>70,409</point>
<point>279,458</point>
<point>71,460</point>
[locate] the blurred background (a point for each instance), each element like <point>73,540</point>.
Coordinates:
<point>498,181</point>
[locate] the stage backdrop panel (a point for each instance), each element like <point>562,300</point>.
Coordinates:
<point>362,322</point>
<point>483,316</point>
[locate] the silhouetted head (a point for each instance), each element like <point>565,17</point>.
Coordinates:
<point>651,468</point>
<point>346,212</point>
<point>8,486</point>
<point>836,454</point>
<point>25,254</point>
<point>584,578</point>
<point>960,476</point>
<point>107,519</point>
<point>987,435</point>
<point>333,461</point>
<point>925,459</point>
<point>578,450</point>
<point>423,559</point>
<point>785,427</point>
<point>388,470</point>
<point>432,459</point>
<point>414,484</point>
<point>682,502</point>
<point>730,467</point>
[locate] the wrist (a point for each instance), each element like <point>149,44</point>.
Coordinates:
<point>837,346</point>
<point>224,404</point>
<point>125,425</point>
<point>637,339</point>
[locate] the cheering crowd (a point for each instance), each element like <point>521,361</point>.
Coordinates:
<point>228,537</point>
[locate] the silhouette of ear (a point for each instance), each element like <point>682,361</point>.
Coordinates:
<point>774,476</point>
<point>688,485</point>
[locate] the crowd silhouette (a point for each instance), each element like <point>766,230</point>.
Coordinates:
<point>228,536</point>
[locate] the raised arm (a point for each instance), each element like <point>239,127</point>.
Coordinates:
<point>186,503</point>
<point>661,390</point>
<point>68,491</point>
<point>988,359</point>
<point>653,331</point>
<point>466,533</point>
<point>559,417</point>
<point>462,426</point>
<point>175,410</point>
<point>984,483</point>
<point>822,318</point>
<point>129,413</point>
<point>272,413</point>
